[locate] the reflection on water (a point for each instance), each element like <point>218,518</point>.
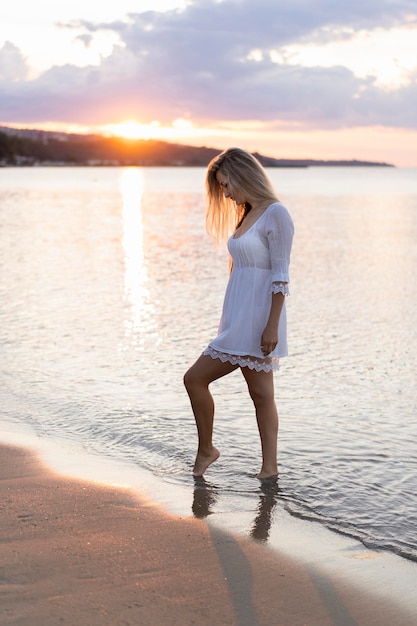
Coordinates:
<point>136,282</point>
<point>266,505</point>
<point>206,496</point>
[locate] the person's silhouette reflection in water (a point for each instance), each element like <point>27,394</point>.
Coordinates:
<point>267,502</point>
<point>204,497</point>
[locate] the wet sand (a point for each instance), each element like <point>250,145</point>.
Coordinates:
<point>75,552</point>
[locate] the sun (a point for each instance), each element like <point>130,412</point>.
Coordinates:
<point>132,129</point>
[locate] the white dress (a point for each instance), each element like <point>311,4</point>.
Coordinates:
<point>261,258</point>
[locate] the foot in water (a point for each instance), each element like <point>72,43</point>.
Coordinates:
<point>202,462</point>
<point>267,475</point>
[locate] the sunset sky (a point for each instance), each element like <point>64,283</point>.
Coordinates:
<point>296,79</point>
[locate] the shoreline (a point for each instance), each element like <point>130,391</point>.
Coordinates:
<point>76,552</point>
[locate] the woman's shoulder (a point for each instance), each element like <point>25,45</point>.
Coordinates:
<point>277,206</point>
<point>277,213</point>
<point>278,209</point>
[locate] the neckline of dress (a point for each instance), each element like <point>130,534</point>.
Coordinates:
<point>255,222</point>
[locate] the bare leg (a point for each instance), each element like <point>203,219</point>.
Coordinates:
<point>197,380</point>
<point>261,390</point>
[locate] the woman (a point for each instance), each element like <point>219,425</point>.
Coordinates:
<point>252,332</point>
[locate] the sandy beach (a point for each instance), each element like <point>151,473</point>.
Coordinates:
<point>75,552</point>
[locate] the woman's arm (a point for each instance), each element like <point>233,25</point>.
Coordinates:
<point>279,234</point>
<point>269,339</point>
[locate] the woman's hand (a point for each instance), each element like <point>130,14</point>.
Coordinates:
<point>269,339</point>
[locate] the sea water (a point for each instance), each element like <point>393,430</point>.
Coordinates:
<point>110,289</point>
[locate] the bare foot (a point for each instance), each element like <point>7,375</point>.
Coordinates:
<point>263,475</point>
<point>202,462</point>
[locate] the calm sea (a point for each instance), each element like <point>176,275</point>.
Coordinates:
<point>110,289</point>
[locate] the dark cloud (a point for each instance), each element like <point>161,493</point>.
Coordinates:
<point>198,62</point>
<point>264,23</point>
<point>86,39</point>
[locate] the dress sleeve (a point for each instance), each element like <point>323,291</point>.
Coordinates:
<point>280,287</point>
<point>279,233</point>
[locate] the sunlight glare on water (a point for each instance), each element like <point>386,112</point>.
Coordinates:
<point>139,320</point>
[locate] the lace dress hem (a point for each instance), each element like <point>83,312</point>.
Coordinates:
<point>268,364</point>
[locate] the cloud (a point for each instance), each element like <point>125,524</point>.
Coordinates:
<point>212,61</point>
<point>13,65</point>
<point>85,39</point>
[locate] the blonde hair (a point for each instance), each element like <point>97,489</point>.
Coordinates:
<point>244,173</point>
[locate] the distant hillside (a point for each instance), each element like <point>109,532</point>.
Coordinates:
<point>36,147</point>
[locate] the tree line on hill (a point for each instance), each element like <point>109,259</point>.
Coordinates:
<point>97,150</point>
<point>23,149</point>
